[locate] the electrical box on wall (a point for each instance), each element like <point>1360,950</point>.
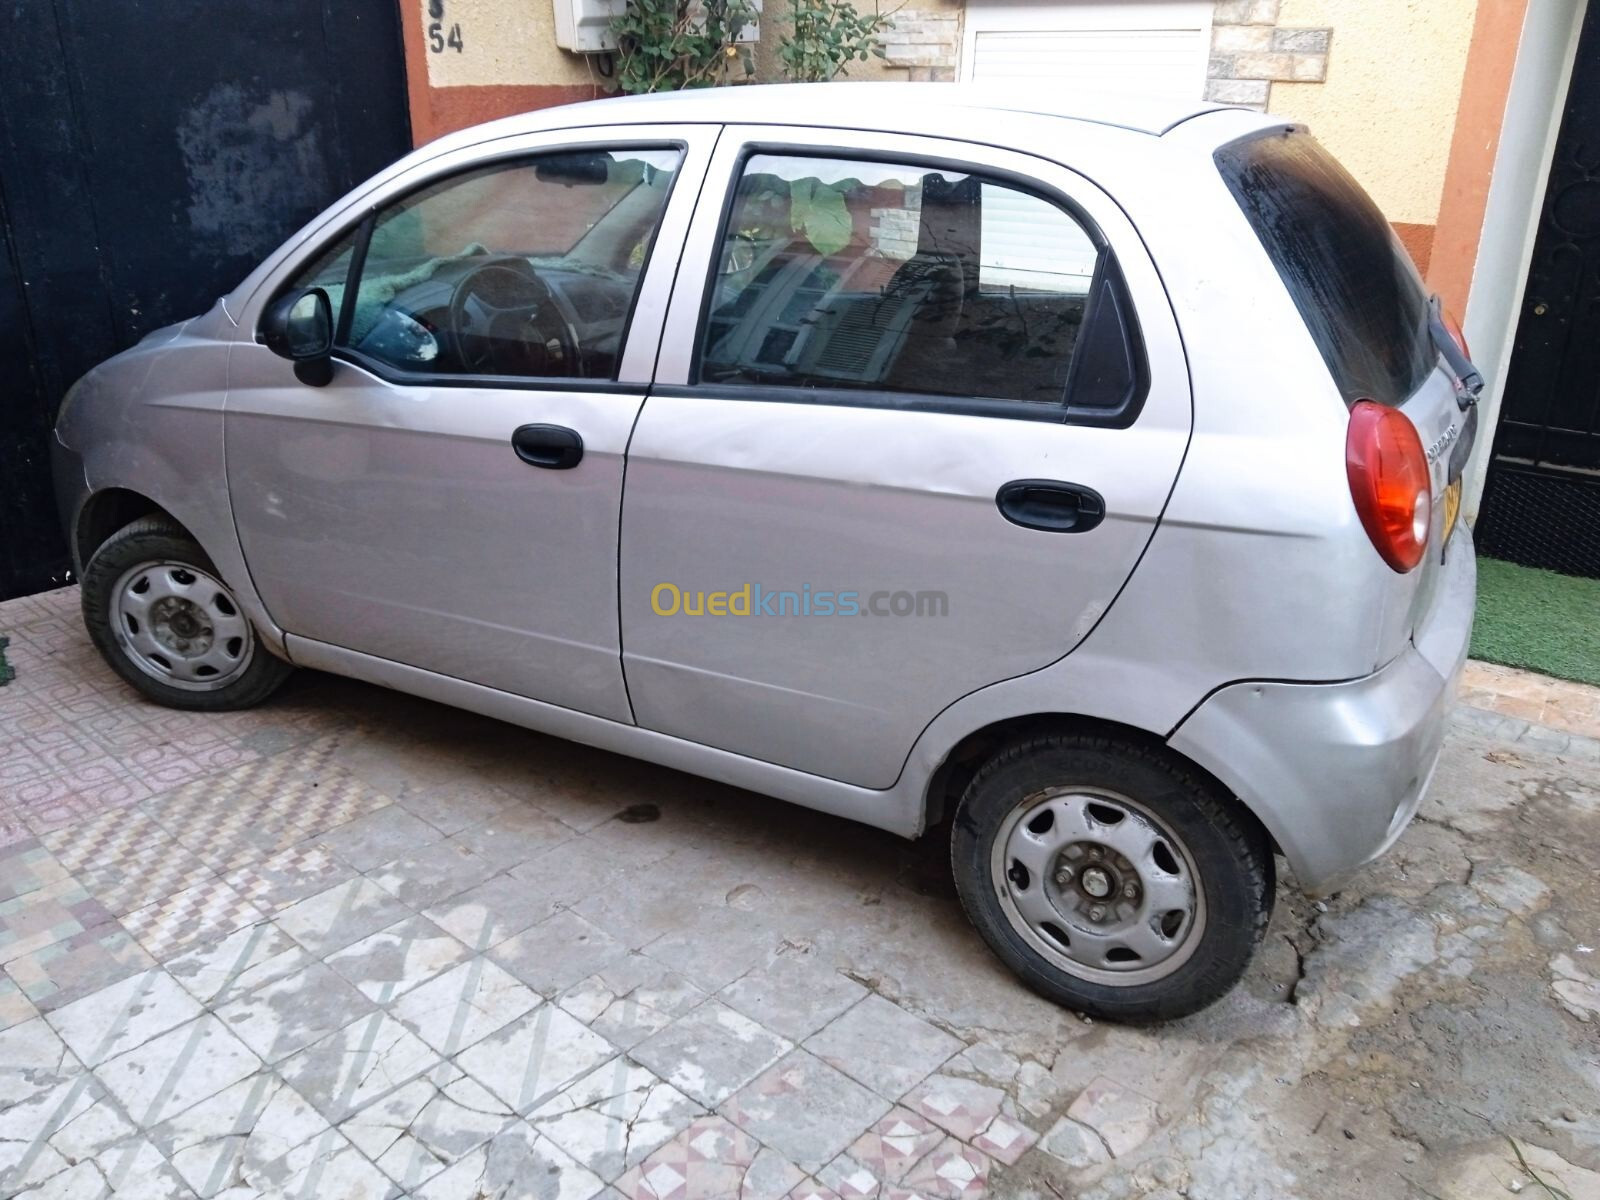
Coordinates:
<point>584,26</point>
<point>751,33</point>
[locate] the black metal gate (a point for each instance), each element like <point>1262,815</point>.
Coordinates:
<point>151,152</point>
<point>1541,506</point>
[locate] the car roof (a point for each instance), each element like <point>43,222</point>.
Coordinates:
<point>887,106</point>
<point>1088,132</point>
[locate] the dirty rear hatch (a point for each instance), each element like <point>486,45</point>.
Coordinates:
<point>1381,337</point>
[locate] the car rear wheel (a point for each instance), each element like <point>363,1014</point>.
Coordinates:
<point>1111,876</point>
<point>161,615</point>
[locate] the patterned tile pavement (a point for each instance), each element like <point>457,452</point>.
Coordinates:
<point>354,945</point>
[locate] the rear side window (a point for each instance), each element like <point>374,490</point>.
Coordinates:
<point>1353,283</point>
<point>893,277</point>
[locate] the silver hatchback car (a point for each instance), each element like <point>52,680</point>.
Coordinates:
<point>1085,484</point>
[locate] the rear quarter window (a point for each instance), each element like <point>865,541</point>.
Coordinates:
<point>1351,280</point>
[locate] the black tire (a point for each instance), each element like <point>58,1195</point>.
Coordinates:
<point>1230,854</point>
<point>157,539</point>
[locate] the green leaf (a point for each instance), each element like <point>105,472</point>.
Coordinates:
<point>827,224</point>
<point>800,193</point>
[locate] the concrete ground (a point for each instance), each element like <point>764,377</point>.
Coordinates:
<point>357,945</point>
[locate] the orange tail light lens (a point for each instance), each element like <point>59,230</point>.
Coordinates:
<point>1389,482</point>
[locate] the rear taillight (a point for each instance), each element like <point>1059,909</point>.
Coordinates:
<point>1389,482</point>
<point>1453,328</point>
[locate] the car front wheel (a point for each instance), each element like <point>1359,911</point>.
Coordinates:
<point>161,615</point>
<point>1111,876</point>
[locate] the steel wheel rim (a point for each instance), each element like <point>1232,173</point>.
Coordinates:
<point>1049,894</point>
<point>181,625</point>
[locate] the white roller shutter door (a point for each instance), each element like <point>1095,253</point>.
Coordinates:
<point>1153,49</point>
<point>1137,49</point>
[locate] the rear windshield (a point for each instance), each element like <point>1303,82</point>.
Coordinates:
<point>1350,278</point>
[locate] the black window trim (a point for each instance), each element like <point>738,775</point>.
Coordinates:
<point>363,225</point>
<point>1107,271</point>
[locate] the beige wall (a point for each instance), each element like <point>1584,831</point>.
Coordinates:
<point>509,61</point>
<point>504,42</point>
<point>512,43</point>
<point>1388,108</point>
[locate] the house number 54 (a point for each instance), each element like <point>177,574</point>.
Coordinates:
<point>437,38</point>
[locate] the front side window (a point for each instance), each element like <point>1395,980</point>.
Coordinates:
<point>897,277</point>
<point>526,268</point>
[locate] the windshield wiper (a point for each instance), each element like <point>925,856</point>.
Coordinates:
<point>1469,377</point>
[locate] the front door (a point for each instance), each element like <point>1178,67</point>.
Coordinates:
<point>1541,504</point>
<point>450,500</point>
<point>891,457</point>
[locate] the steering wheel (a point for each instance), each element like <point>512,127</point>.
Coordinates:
<point>504,320</point>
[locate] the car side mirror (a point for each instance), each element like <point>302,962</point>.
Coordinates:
<point>299,327</point>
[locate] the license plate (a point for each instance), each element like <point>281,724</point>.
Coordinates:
<point>1452,509</point>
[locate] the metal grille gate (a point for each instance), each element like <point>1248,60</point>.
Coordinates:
<point>151,152</point>
<point>1541,505</point>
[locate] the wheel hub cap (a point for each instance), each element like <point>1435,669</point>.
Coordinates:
<point>1098,885</point>
<point>181,625</point>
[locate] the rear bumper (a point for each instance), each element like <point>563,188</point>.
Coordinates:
<point>1335,771</point>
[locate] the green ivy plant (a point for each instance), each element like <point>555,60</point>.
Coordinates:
<point>665,45</point>
<point>828,35</point>
<point>818,211</point>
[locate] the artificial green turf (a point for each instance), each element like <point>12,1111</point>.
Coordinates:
<point>1538,620</point>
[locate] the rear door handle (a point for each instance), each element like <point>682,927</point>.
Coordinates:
<point>552,446</point>
<point>1050,505</point>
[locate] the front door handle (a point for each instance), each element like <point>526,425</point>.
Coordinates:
<point>553,446</point>
<point>1050,505</point>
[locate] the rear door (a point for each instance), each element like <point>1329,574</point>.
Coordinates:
<point>887,461</point>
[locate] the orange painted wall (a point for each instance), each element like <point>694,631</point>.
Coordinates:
<point>451,108</point>
<point>1418,241</point>
<point>1496,33</point>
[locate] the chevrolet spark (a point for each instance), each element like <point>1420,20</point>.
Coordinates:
<point>1084,484</point>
